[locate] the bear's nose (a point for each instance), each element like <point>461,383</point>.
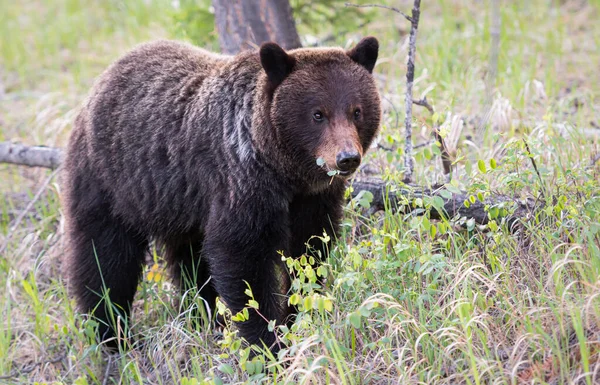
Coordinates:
<point>347,160</point>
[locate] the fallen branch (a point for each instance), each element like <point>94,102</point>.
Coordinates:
<point>33,156</point>
<point>401,199</point>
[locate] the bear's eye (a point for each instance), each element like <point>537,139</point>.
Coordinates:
<point>318,116</point>
<point>357,113</point>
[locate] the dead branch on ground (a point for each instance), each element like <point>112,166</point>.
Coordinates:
<point>402,200</point>
<point>33,156</point>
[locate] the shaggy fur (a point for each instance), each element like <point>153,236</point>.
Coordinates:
<point>215,158</point>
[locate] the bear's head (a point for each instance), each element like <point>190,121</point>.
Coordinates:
<point>323,106</point>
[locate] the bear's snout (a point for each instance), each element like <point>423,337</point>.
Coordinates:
<point>340,147</point>
<point>347,161</point>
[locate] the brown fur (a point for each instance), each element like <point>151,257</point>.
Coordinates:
<point>214,157</point>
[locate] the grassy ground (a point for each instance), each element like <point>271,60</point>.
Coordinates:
<point>410,300</point>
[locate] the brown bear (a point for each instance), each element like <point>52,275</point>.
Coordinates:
<point>224,161</point>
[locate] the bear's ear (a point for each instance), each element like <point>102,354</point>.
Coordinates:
<point>276,63</point>
<point>365,53</point>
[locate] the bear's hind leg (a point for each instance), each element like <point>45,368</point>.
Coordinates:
<point>190,269</point>
<point>106,263</point>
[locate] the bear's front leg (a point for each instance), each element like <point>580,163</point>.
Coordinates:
<point>313,214</point>
<point>242,246</point>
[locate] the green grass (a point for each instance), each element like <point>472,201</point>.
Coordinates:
<point>410,299</point>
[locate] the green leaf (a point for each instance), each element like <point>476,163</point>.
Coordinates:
<point>468,167</point>
<point>438,203</point>
<point>295,299</point>
<point>470,224</point>
<point>328,304</point>
<point>366,197</point>
<point>364,311</point>
<point>320,306</point>
<point>28,289</point>
<point>481,166</point>
<point>426,223</point>
<point>432,231</point>
<point>427,153</point>
<point>446,194</point>
<point>493,164</point>
<point>494,212</point>
<point>308,302</point>
<point>225,368</point>
<point>452,188</point>
<point>355,320</point>
<point>258,366</point>
<point>322,271</point>
<point>442,227</point>
<point>241,316</point>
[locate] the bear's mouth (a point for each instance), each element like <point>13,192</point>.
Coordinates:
<point>345,173</point>
<point>334,171</point>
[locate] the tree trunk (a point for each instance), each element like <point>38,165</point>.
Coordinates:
<point>244,24</point>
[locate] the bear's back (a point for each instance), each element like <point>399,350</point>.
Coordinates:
<point>153,75</point>
<point>165,59</point>
<point>130,133</point>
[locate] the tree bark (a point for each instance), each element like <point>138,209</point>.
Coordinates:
<point>244,24</point>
